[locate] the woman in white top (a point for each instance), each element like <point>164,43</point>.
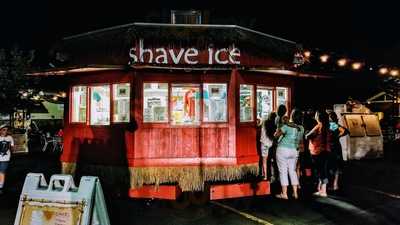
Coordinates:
<point>6,143</point>
<point>268,129</point>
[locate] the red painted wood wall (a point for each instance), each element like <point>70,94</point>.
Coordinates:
<point>228,143</point>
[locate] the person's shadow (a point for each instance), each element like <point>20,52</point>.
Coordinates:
<point>105,156</point>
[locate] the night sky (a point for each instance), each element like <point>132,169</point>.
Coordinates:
<point>364,29</point>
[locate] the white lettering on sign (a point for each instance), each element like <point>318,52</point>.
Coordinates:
<point>191,52</point>
<point>163,55</point>
<point>190,56</point>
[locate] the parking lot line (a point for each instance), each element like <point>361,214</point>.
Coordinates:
<point>246,215</point>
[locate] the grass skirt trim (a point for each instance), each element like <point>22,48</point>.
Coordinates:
<point>190,178</point>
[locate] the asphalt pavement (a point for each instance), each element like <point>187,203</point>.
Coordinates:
<point>369,195</point>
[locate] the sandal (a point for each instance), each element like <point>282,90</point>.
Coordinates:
<point>295,196</point>
<point>323,195</point>
<point>281,196</point>
<point>317,193</point>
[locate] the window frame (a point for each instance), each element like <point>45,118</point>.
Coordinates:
<point>168,103</point>
<point>200,86</point>
<point>112,102</point>
<point>254,107</point>
<point>287,97</point>
<point>270,88</point>
<point>89,102</point>
<point>88,120</point>
<point>227,104</point>
<point>71,100</point>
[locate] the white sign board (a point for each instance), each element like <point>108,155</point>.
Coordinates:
<point>60,202</point>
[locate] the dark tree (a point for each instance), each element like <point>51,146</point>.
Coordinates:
<point>14,65</point>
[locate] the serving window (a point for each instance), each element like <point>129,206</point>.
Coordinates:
<point>215,102</point>
<point>100,105</point>
<point>155,102</point>
<point>246,103</point>
<point>95,109</point>
<point>282,96</point>
<point>185,104</point>
<point>121,102</point>
<point>78,106</point>
<point>265,101</point>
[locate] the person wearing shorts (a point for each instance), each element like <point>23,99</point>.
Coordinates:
<point>6,143</point>
<point>267,141</point>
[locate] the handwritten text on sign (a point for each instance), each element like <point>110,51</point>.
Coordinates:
<point>184,56</point>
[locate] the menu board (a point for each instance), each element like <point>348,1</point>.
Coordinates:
<point>51,214</point>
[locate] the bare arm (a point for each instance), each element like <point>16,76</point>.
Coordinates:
<point>343,131</point>
<point>312,132</point>
<point>278,133</point>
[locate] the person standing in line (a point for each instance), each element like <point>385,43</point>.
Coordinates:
<point>279,121</point>
<point>336,162</point>
<point>320,142</point>
<point>268,129</point>
<point>281,112</point>
<point>6,145</point>
<point>287,153</point>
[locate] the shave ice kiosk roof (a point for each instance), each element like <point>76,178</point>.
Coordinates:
<point>174,44</point>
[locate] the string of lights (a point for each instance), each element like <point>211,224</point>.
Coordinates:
<point>310,56</point>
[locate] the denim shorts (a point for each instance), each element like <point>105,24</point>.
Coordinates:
<point>3,166</point>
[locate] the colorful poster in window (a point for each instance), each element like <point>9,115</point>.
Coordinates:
<point>121,98</point>
<point>215,102</point>
<point>185,104</point>
<point>264,102</point>
<point>78,104</point>
<point>155,102</point>
<point>246,103</point>
<point>100,105</point>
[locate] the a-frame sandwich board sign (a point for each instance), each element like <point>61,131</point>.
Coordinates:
<point>61,202</point>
